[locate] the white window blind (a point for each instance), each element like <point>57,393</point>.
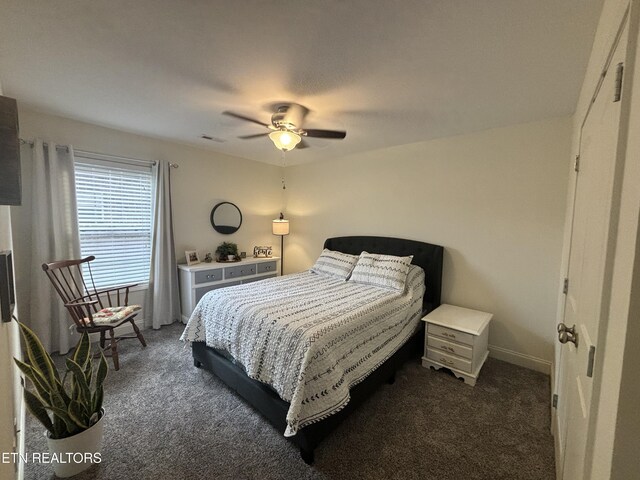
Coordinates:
<point>115,212</point>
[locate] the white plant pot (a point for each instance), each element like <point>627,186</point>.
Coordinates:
<point>72,455</point>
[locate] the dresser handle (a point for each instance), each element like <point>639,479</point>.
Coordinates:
<point>446,362</point>
<point>450,335</point>
<point>449,348</point>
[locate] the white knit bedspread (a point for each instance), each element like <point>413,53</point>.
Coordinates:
<point>308,336</point>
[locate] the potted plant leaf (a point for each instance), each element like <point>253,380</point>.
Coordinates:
<point>68,405</point>
<point>227,252</point>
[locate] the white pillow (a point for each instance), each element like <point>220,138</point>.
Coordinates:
<point>335,264</point>
<point>386,271</point>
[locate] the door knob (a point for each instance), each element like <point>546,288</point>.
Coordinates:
<point>567,334</point>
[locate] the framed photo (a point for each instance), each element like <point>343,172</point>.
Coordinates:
<point>262,251</point>
<point>192,257</point>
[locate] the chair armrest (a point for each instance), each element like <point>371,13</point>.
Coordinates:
<point>115,289</point>
<point>80,304</point>
<point>113,295</point>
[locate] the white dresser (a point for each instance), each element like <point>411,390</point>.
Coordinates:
<point>196,280</point>
<point>456,338</point>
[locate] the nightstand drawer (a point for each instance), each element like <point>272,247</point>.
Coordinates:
<point>209,276</point>
<point>450,334</point>
<point>266,267</point>
<point>450,347</point>
<point>239,271</point>
<point>449,360</point>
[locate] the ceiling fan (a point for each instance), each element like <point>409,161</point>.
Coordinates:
<point>286,126</point>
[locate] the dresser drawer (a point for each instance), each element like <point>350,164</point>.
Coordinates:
<point>239,271</point>
<point>266,267</point>
<point>450,347</point>
<point>449,360</point>
<point>257,279</point>
<point>450,334</point>
<point>209,276</point>
<point>202,290</point>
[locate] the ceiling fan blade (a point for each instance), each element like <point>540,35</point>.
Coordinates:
<point>302,144</point>
<point>325,133</point>
<point>255,135</point>
<point>246,119</point>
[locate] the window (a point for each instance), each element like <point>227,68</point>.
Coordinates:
<point>115,214</point>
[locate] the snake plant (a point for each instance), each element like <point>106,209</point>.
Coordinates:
<point>65,404</point>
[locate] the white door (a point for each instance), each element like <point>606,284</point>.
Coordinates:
<point>591,240</point>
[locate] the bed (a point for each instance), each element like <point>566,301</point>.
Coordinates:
<point>310,402</point>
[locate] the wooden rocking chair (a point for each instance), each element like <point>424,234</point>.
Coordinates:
<point>92,310</point>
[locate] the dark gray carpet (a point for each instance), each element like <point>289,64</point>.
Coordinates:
<point>169,420</point>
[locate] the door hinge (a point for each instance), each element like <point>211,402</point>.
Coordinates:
<point>618,90</point>
<point>576,163</point>
<point>554,401</point>
<point>592,357</point>
<point>565,286</point>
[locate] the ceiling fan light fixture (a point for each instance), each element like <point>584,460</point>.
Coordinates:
<point>285,140</point>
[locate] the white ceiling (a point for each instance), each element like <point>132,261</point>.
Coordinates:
<point>389,72</point>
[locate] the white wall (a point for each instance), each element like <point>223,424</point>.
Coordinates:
<point>495,200</point>
<point>203,179</point>
<point>10,391</point>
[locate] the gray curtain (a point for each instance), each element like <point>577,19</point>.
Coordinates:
<point>54,236</point>
<point>162,303</point>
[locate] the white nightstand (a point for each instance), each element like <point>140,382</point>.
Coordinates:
<point>456,338</point>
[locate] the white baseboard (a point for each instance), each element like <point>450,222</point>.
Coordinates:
<point>125,329</point>
<point>520,359</point>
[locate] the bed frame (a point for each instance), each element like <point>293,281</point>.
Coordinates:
<point>267,402</point>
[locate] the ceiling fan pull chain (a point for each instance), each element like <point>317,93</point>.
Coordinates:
<point>284,184</point>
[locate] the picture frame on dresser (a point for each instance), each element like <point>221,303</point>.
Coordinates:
<point>192,257</point>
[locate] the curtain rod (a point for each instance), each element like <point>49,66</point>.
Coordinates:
<point>31,143</point>
<point>95,154</point>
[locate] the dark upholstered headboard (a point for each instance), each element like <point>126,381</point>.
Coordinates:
<point>425,255</point>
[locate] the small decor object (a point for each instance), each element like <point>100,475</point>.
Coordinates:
<point>68,404</point>
<point>227,252</point>
<point>264,251</point>
<point>208,258</point>
<point>192,257</point>
<point>243,254</point>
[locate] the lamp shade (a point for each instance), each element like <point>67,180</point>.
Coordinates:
<point>285,140</point>
<point>280,227</point>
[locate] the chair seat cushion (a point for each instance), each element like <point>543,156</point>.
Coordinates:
<point>113,314</point>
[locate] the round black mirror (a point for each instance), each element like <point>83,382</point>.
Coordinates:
<point>226,218</point>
